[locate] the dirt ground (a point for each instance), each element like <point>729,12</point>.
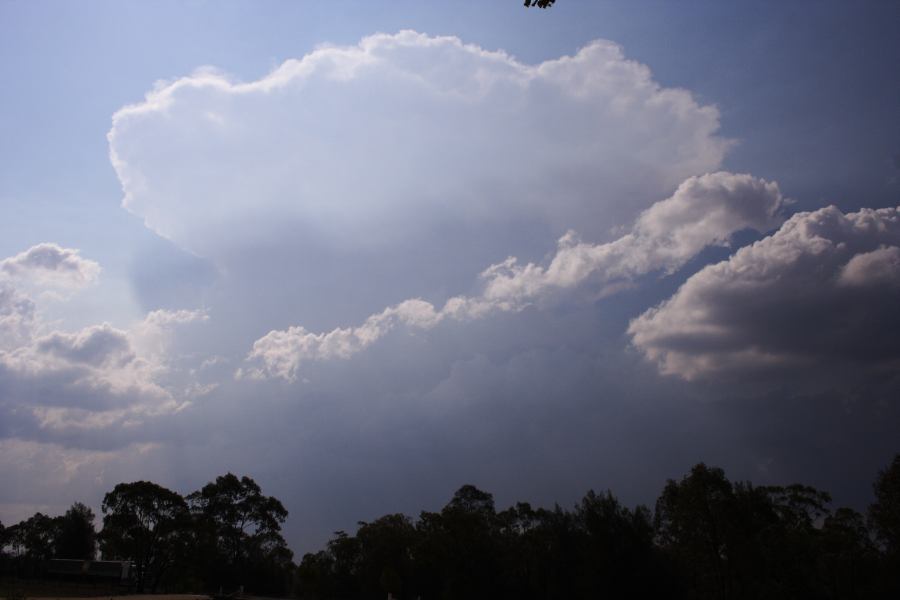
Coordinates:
<point>131,597</point>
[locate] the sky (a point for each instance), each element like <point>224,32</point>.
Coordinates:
<point>369,252</point>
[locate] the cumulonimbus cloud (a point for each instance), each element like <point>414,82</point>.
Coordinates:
<point>825,287</point>
<point>703,211</point>
<point>360,144</point>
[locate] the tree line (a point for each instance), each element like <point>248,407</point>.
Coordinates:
<point>707,537</point>
<point>225,535</point>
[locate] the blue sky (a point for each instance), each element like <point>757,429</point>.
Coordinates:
<point>549,375</point>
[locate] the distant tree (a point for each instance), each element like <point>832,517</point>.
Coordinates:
<point>692,520</point>
<point>470,500</point>
<point>709,538</point>
<point>458,551</point>
<point>847,556</point>
<point>76,536</point>
<point>619,558</point>
<point>884,514</point>
<point>240,532</point>
<point>333,572</point>
<point>884,517</point>
<point>539,3</point>
<point>386,555</point>
<point>145,523</point>
<point>315,577</point>
<point>34,538</point>
<point>556,546</point>
<point>469,538</point>
<point>344,552</point>
<point>741,541</point>
<point>798,507</point>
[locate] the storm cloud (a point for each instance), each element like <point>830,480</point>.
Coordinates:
<point>452,132</point>
<point>824,288</point>
<point>382,270</point>
<point>703,211</point>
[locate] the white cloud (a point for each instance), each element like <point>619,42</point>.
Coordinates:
<point>16,317</point>
<point>50,264</point>
<point>83,373</point>
<point>152,337</point>
<point>823,288</point>
<point>879,267</point>
<point>97,345</point>
<point>55,382</point>
<point>361,144</point>
<point>703,211</point>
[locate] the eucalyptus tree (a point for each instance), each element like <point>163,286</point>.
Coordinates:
<point>239,533</point>
<point>148,524</point>
<point>76,535</point>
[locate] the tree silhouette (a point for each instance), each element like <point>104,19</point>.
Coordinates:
<point>76,536</point>
<point>145,523</point>
<point>709,538</point>
<point>34,539</point>
<point>884,514</point>
<point>385,554</point>
<point>692,519</point>
<point>239,532</point>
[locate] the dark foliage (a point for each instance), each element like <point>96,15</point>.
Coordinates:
<point>237,535</point>
<point>707,538</point>
<point>884,518</point>
<point>26,546</point>
<point>147,524</point>
<point>539,3</point>
<point>884,514</point>
<point>75,535</point>
<point>33,539</point>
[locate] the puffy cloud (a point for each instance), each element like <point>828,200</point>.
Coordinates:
<point>47,399</point>
<point>282,352</point>
<point>152,336</point>
<point>824,288</point>
<point>703,211</point>
<point>876,268</point>
<point>50,264</point>
<point>92,370</point>
<point>55,384</point>
<point>353,178</point>
<point>16,317</point>
<point>359,144</point>
<point>97,346</point>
